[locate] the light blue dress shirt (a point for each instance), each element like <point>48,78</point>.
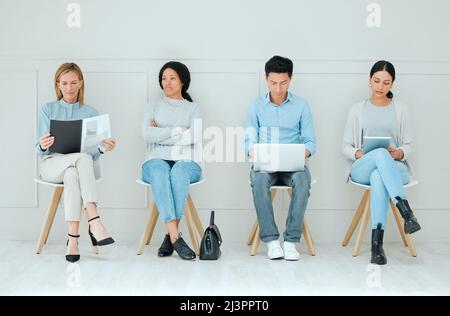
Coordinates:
<point>289,123</point>
<point>63,111</point>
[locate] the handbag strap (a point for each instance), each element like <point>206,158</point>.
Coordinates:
<point>211,220</point>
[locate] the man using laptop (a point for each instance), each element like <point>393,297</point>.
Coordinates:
<point>280,117</point>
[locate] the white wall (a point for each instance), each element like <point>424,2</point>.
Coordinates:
<point>122,44</point>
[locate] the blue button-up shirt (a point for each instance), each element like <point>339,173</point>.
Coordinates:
<point>288,123</point>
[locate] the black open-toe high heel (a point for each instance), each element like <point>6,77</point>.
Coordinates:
<point>72,258</point>
<point>95,242</point>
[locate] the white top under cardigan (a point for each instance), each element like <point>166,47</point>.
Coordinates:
<point>353,134</point>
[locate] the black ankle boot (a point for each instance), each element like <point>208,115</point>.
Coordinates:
<point>378,256</point>
<point>411,224</point>
<point>183,249</point>
<point>166,248</point>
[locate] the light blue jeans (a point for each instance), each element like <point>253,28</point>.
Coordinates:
<point>386,178</point>
<point>170,182</point>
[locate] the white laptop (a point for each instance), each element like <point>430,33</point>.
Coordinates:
<point>279,157</point>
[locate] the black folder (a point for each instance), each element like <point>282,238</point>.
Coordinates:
<point>67,136</point>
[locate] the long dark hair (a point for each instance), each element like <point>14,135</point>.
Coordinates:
<point>383,65</point>
<point>183,74</point>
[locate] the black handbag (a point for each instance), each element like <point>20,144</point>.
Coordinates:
<point>211,241</point>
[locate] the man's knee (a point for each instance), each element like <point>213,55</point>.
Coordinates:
<point>300,180</point>
<point>261,180</point>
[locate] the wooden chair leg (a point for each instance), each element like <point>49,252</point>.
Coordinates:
<point>273,194</point>
<point>255,243</point>
<point>407,240</point>
<point>252,234</point>
<point>399,222</point>
<point>195,217</point>
<point>49,217</point>
<point>155,216</point>
<point>308,239</point>
<point>356,218</point>
<point>189,221</point>
<point>362,228</point>
<point>148,230</point>
<point>411,246</point>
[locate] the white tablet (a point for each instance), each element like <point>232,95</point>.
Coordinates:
<point>373,142</point>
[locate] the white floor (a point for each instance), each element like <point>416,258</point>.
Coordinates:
<point>118,270</point>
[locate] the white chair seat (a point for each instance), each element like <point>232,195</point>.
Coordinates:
<point>142,182</point>
<point>412,182</point>
<point>56,185</point>
<point>52,184</point>
<point>285,187</point>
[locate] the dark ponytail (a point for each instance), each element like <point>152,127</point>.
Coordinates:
<point>390,95</point>
<point>384,65</point>
<point>186,96</point>
<point>182,72</point>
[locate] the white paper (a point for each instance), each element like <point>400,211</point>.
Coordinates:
<point>94,131</point>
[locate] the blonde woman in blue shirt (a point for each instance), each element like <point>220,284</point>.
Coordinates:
<point>75,170</point>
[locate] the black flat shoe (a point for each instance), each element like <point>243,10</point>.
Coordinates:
<point>378,255</point>
<point>183,249</point>
<point>166,248</point>
<point>411,223</point>
<point>72,258</point>
<point>95,242</point>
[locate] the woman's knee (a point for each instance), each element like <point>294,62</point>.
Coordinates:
<point>184,170</point>
<point>71,175</point>
<point>155,168</point>
<point>382,154</point>
<point>375,177</point>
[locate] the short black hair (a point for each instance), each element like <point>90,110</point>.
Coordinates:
<point>279,65</point>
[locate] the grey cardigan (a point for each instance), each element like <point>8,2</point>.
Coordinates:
<point>353,134</point>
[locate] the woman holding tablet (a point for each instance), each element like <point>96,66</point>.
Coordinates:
<point>386,170</point>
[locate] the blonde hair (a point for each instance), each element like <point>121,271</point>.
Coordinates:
<point>66,68</point>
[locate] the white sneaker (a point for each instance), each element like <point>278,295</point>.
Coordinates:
<point>274,250</point>
<point>290,253</point>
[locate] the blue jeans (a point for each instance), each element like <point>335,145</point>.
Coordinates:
<point>301,185</point>
<point>170,182</point>
<point>386,178</point>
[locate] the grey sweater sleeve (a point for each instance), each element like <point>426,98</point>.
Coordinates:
<point>156,134</point>
<point>192,136</point>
